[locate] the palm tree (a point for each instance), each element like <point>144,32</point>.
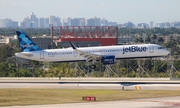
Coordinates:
<point>154,37</point>
<point>137,40</point>
<point>141,40</point>
<point>148,39</point>
<point>160,40</point>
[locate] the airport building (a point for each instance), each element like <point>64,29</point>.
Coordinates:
<point>168,38</point>
<point>81,44</point>
<point>126,40</point>
<point>7,39</point>
<point>85,35</point>
<point>44,43</point>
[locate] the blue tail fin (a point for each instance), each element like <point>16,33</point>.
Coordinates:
<point>26,43</point>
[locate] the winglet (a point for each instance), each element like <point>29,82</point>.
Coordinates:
<point>72,45</point>
<point>77,45</point>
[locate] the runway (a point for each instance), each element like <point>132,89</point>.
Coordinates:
<point>89,85</point>
<point>165,102</point>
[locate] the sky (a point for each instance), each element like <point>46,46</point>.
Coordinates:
<point>121,11</point>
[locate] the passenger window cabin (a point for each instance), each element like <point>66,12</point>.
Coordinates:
<point>160,47</point>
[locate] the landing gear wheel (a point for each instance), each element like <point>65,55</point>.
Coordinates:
<point>152,63</point>
<point>93,66</point>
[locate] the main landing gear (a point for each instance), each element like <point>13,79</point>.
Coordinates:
<point>93,66</point>
<point>152,63</point>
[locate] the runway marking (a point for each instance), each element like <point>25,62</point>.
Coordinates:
<point>161,102</point>
<point>177,89</point>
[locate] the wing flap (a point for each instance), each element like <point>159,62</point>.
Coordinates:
<point>88,56</point>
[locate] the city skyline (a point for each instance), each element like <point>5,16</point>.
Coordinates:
<point>34,22</point>
<point>120,11</point>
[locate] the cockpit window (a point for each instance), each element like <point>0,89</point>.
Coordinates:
<point>160,47</point>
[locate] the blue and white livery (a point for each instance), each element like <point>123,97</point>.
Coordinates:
<point>104,54</point>
<point>26,43</point>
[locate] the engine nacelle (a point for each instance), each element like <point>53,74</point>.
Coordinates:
<point>108,59</point>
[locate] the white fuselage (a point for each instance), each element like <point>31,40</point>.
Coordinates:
<point>119,51</point>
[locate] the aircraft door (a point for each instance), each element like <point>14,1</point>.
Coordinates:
<point>151,49</point>
<point>75,54</point>
<point>41,54</point>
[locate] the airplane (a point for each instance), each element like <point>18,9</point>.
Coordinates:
<point>104,54</point>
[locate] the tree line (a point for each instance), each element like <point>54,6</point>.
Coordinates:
<point>121,31</point>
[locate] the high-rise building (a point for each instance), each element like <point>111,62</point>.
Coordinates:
<point>14,24</point>
<point>76,21</point>
<point>151,24</point>
<point>90,22</point>
<point>129,25</point>
<point>82,22</point>
<point>167,25</point>
<point>8,23</point>
<point>142,25</point>
<point>97,21</point>
<point>57,22</point>
<point>33,17</point>
<point>112,24</point>
<point>46,25</point>
<point>66,21</point>
<point>104,22</point>
<point>34,21</point>
<point>26,23</point>
<point>93,22</point>
<point>41,23</point>
<point>2,23</point>
<point>54,21</point>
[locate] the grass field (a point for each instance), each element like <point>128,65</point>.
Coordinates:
<point>10,97</point>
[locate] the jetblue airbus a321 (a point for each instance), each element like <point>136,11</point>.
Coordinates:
<point>104,54</point>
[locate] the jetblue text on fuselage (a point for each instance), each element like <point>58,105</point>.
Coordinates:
<point>134,49</point>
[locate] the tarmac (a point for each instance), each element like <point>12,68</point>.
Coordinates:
<point>164,102</point>
<point>89,86</point>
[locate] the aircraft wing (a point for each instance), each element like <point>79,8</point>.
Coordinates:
<point>88,56</point>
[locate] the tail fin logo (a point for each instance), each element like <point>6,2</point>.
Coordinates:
<point>26,43</point>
